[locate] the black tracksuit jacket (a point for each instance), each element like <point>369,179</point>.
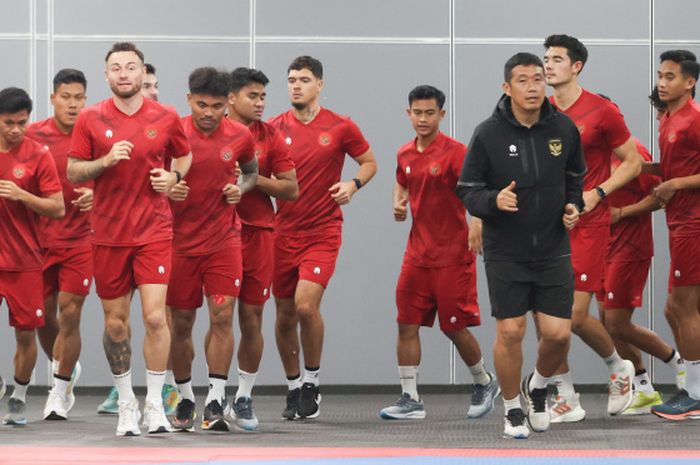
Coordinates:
<point>545,161</point>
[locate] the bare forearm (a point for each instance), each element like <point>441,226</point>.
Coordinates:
<point>367,171</point>
<point>646,205</point>
<point>82,170</point>
<point>627,171</point>
<point>182,164</point>
<point>51,207</point>
<point>687,182</point>
<point>285,189</point>
<point>249,176</point>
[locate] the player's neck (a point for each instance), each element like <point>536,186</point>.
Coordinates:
<point>64,128</point>
<point>527,118</point>
<point>308,113</point>
<point>422,142</point>
<point>129,105</point>
<point>566,95</point>
<point>6,147</point>
<point>677,104</point>
<point>233,116</point>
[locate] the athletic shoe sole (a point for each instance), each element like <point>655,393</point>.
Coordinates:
<point>216,425</point>
<point>407,416</point>
<point>55,416</point>
<point>693,415</point>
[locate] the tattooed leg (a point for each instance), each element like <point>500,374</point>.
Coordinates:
<point>118,354</point>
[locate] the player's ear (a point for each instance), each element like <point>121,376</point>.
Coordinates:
<point>506,88</point>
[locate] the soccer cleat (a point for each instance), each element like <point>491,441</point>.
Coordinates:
<point>3,387</point>
<point>483,398</point>
<point>110,405</point>
<point>15,413</point>
<point>642,403</point>
<point>56,406</point>
<point>154,418</point>
<point>566,410</point>
<point>184,417</point>
<point>536,400</point>
<point>309,401</point>
<point>171,398</point>
<point>214,418</point>
<point>514,425</point>
<point>679,407</point>
<point>405,408</point>
<point>129,417</point>
<point>620,389</point>
<point>243,414</point>
<point>290,410</point>
<point>70,396</point>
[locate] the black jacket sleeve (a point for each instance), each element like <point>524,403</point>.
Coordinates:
<point>472,186</point>
<point>575,170</point>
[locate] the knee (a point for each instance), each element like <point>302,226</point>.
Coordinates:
<point>616,329</point>
<point>155,322</point>
<point>70,318</point>
<point>578,322</point>
<point>511,336</point>
<point>117,327</point>
<point>251,325</point>
<point>306,310</point>
<point>25,338</point>
<point>559,339</point>
<point>221,319</point>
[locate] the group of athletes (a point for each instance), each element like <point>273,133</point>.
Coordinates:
<point>559,195</point>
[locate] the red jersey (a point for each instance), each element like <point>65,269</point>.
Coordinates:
<point>204,222</point>
<point>318,151</point>
<point>631,239</point>
<point>255,208</point>
<point>126,210</point>
<point>679,140</point>
<point>439,232</point>
<point>30,166</point>
<point>74,228</point>
<point>602,129</point>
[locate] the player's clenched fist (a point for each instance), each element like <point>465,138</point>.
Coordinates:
<point>120,151</point>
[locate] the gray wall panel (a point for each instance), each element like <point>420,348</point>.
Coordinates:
<point>15,17</point>
<point>15,52</point>
<point>676,20</point>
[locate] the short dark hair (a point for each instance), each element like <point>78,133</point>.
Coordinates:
<point>69,76</point>
<point>521,58</point>
<point>124,47</point>
<point>209,81</point>
<point>685,58</point>
<point>426,92</point>
<point>307,62</point>
<point>656,102</point>
<point>574,47</point>
<point>150,69</point>
<point>241,77</point>
<point>14,100</point>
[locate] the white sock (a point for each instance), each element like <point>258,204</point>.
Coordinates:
<point>20,391</point>
<point>54,366</point>
<point>642,383</point>
<point>170,378</point>
<point>154,386</point>
<point>217,389</point>
<point>246,381</point>
<point>479,373</point>
<point>614,363</point>
<point>61,385</point>
<point>565,385</point>
<point>537,381</point>
<point>692,380</point>
<point>677,362</point>
<point>123,384</point>
<point>311,376</point>
<point>509,405</point>
<point>185,389</point>
<point>295,383</point>
<point>408,375</point>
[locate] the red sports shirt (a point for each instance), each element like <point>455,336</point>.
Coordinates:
<point>318,151</point>
<point>126,210</point>
<point>631,239</point>
<point>439,232</point>
<point>256,208</point>
<point>602,129</point>
<point>679,140</point>
<point>204,222</point>
<point>74,228</point>
<point>30,166</point>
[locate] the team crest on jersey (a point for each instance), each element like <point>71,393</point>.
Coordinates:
<point>18,172</point>
<point>109,133</point>
<point>434,170</point>
<point>555,147</point>
<point>151,133</point>
<point>580,128</point>
<point>324,139</point>
<point>226,155</point>
<point>672,137</point>
<point>288,140</point>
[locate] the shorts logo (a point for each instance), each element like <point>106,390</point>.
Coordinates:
<point>109,133</point>
<point>581,128</point>
<point>18,172</point>
<point>161,269</point>
<point>39,313</point>
<point>288,140</point>
<point>86,282</point>
<point>584,278</point>
<point>672,137</point>
<point>237,282</point>
<point>555,147</point>
<point>610,296</point>
<point>151,133</point>
<point>408,170</point>
<point>317,270</point>
<point>677,273</point>
<point>324,139</point>
<point>453,320</point>
<point>265,291</point>
<point>435,170</point>
<point>512,150</point>
<point>226,155</point>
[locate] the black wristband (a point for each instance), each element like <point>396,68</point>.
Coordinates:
<point>358,183</point>
<point>178,174</point>
<point>601,192</point>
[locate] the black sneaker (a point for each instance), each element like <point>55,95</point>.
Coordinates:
<point>309,402</point>
<point>214,417</point>
<point>290,411</point>
<point>184,416</point>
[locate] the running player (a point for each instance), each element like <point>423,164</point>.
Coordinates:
<point>308,230</point>
<point>29,186</point>
<point>277,178</point>
<point>122,143</point>
<point>438,275</point>
<point>603,133</point>
<point>66,244</point>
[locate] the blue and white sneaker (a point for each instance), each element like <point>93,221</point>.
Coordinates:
<point>404,408</point>
<point>110,405</point>
<point>679,407</point>
<point>483,398</point>
<point>16,413</point>
<point>515,426</point>
<point>243,414</point>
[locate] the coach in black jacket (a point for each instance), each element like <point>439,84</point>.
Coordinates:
<point>523,177</point>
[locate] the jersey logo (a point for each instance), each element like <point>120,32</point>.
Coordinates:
<point>555,147</point>
<point>672,137</point>
<point>317,270</point>
<point>39,313</point>
<point>18,172</point>
<point>237,282</point>
<point>151,133</point>
<point>408,170</point>
<point>611,296</point>
<point>226,155</point>
<point>161,269</point>
<point>581,128</point>
<point>324,139</point>
<point>435,170</point>
<point>288,140</point>
<point>109,133</point>
<point>512,151</point>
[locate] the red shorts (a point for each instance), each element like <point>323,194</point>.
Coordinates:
<point>311,258</point>
<point>68,270</point>
<point>19,288</point>
<point>218,273</point>
<point>257,247</point>
<point>624,284</point>
<point>118,270</point>
<point>448,291</point>
<point>588,248</point>
<point>685,261</point>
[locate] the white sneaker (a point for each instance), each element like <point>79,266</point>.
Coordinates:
<point>154,418</point>
<point>566,410</point>
<point>70,397</point>
<point>536,401</point>
<point>55,408</point>
<point>514,425</point>
<point>129,417</point>
<point>3,387</point>
<point>620,389</point>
